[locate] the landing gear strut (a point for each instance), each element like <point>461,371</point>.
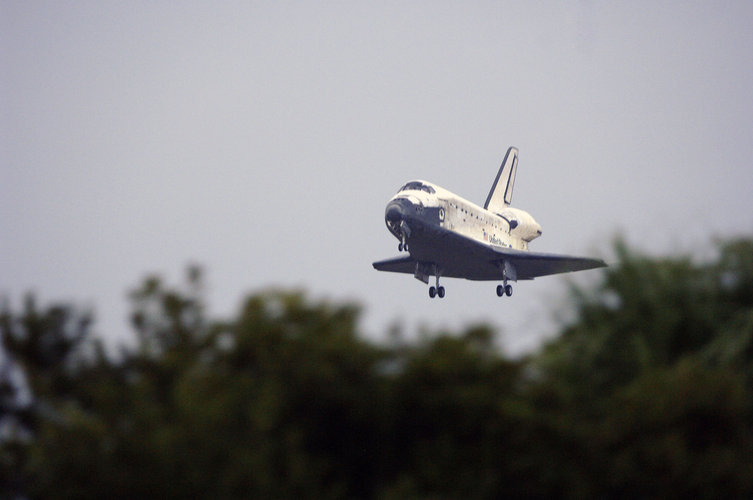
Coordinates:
<point>438,290</point>
<point>404,235</point>
<point>403,245</point>
<point>508,273</point>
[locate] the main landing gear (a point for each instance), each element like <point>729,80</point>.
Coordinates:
<point>508,273</point>
<point>438,290</point>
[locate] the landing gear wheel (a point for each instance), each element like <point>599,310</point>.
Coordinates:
<point>399,247</point>
<point>508,290</point>
<point>500,290</point>
<point>440,292</point>
<point>432,292</point>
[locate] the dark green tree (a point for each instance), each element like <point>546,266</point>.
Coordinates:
<point>653,378</point>
<point>647,392</point>
<point>38,364</point>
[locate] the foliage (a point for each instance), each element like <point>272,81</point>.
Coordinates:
<point>646,393</point>
<point>654,378</point>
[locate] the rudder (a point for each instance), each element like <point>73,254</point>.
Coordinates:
<point>500,195</point>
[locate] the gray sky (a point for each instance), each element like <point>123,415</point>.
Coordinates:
<point>263,140</point>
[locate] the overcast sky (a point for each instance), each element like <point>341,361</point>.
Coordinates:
<point>263,140</point>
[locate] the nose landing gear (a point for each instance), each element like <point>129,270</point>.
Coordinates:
<point>504,290</point>
<point>404,235</point>
<point>403,245</point>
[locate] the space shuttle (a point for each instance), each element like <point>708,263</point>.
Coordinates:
<point>445,235</point>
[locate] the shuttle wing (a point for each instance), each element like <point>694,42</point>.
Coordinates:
<point>462,257</point>
<point>396,265</point>
<point>529,265</point>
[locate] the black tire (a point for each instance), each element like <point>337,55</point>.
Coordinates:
<point>432,292</point>
<point>500,290</point>
<point>440,292</point>
<point>508,290</point>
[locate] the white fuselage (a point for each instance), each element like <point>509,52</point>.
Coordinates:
<point>512,228</point>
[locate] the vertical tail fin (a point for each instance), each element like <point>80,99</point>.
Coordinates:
<point>500,195</point>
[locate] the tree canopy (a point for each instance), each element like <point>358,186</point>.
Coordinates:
<point>647,392</point>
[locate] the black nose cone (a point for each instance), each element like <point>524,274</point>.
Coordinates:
<point>397,210</point>
<point>395,216</point>
<point>394,212</point>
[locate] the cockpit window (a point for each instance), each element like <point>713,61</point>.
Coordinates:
<point>417,186</point>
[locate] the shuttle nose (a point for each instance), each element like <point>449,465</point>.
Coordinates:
<point>396,210</point>
<point>395,215</point>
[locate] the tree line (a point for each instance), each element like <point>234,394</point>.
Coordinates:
<point>646,392</point>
